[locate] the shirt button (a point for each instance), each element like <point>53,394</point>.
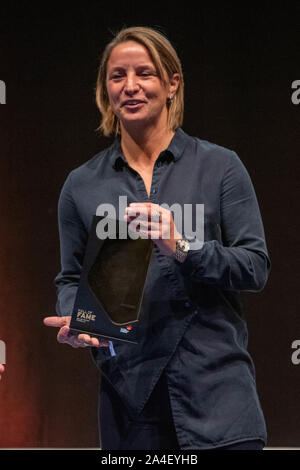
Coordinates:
<point>153,191</point>
<point>187,304</point>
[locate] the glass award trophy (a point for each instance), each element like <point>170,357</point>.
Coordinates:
<point>110,292</point>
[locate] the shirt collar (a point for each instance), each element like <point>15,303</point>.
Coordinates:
<point>172,153</point>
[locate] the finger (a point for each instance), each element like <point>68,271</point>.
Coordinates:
<point>143,204</point>
<point>146,226</point>
<point>140,204</point>
<point>138,225</point>
<point>95,342</point>
<point>87,340</point>
<point>84,340</point>
<point>140,233</point>
<point>141,214</point>
<point>57,322</point>
<point>72,341</point>
<point>64,334</point>
<point>149,206</point>
<point>130,218</point>
<point>156,215</point>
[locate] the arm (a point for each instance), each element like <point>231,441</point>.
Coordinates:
<point>73,238</point>
<point>240,262</point>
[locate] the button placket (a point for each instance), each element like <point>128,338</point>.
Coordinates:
<point>155,182</point>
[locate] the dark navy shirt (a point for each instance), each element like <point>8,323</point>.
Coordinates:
<point>196,330</point>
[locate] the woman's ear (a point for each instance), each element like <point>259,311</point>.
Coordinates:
<point>174,84</point>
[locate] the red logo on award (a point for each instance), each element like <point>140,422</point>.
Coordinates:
<point>129,327</point>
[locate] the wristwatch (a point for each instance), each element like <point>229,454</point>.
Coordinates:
<point>182,248</point>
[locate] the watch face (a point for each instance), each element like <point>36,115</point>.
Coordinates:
<point>183,245</point>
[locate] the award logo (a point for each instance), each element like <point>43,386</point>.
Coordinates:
<point>85,316</point>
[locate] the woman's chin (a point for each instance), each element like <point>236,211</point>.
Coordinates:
<point>135,121</point>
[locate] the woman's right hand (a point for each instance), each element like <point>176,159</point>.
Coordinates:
<point>66,336</point>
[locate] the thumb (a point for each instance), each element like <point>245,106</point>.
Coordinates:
<point>57,322</point>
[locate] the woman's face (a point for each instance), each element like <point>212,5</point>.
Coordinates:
<point>136,94</point>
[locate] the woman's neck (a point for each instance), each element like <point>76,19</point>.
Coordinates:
<point>142,147</point>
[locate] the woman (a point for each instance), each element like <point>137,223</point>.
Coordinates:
<point>190,383</point>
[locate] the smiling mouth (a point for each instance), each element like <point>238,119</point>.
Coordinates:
<point>132,103</point>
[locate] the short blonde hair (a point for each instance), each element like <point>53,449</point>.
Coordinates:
<point>164,58</point>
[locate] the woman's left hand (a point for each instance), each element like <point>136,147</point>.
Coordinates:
<point>154,222</point>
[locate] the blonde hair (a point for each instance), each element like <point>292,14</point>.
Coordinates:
<point>164,58</point>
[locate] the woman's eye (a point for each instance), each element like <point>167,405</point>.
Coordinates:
<point>147,73</point>
<point>116,75</point>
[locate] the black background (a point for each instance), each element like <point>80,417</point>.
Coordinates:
<point>239,63</point>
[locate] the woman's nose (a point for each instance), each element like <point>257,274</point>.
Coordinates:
<point>131,84</point>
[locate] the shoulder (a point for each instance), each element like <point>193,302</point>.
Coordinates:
<point>93,163</point>
<point>205,148</point>
<point>87,170</point>
<point>210,153</point>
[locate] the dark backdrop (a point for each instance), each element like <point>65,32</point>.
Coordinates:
<point>239,64</point>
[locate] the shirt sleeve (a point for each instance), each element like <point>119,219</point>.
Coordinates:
<point>73,239</point>
<point>240,262</point>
